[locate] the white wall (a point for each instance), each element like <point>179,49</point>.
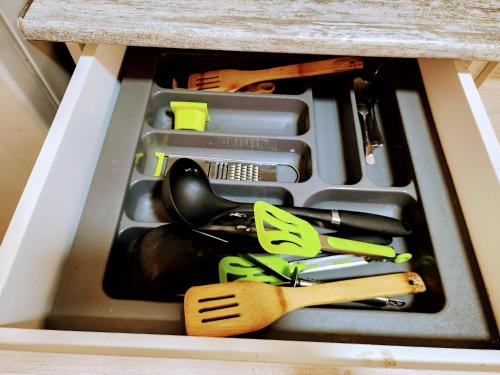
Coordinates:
<point>22,131</point>
<point>490,95</point>
<point>32,82</point>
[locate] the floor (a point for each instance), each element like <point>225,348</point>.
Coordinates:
<point>23,132</point>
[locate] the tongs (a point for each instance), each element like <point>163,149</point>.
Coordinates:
<point>296,281</point>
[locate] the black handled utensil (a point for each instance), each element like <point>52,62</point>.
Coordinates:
<point>189,198</point>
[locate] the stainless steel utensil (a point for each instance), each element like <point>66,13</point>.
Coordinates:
<point>239,170</point>
<point>366,99</point>
<point>328,263</point>
<point>296,280</point>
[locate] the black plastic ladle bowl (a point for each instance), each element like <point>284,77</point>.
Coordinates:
<point>188,198</point>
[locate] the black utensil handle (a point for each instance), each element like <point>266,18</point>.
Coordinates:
<point>348,220</point>
<point>306,213</point>
<point>373,223</point>
<point>363,237</point>
<point>374,135</point>
<point>351,220</point>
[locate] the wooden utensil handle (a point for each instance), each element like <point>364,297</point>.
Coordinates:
<point>353,290</point>
<point>314,68</point>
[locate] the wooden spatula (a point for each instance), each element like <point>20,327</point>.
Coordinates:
<point>231,80</point>
<point>245,306</point>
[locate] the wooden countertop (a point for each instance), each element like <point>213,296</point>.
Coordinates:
<point>401,28</point>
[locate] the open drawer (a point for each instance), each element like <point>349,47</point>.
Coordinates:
<point>43,230</point>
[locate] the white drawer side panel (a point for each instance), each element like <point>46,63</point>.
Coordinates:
<point>45,221</point>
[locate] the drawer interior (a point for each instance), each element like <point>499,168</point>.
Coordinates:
<point>309,129</point>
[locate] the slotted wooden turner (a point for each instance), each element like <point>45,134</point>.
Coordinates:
<point>245,306</point>
<point>231,80</point>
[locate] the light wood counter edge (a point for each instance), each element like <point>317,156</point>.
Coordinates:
<point>363,28</point>
<point>26,362</point>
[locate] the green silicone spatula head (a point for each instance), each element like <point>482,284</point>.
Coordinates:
<point>234,268</point>
<point>280,232</point>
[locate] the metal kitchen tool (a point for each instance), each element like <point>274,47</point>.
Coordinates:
<point>231,80</point>
<point>274,270</point>
<point>246,266</point>
<point>188,198</point>
<point>230,170</point>
<point>238,170</point>
<point>280,232</point>
<point>329,263</point>
<point>295,281</point>
<point>366,99</point>
<point>236,308</point>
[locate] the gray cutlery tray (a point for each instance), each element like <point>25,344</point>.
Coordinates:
<point>312,125</point>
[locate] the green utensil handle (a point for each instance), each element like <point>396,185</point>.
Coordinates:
<point>341,245</point>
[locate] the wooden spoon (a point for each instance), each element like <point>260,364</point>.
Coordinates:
<point>245,306</point>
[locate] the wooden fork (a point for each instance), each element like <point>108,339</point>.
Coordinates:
<point>231,80</point>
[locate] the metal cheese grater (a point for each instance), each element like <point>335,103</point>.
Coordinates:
<point>234,170</point>
<point>242,171</point>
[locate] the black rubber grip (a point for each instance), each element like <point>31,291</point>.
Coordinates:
<point>376,239</point>
<point>374,223</point>
<point>350,221</point>
<point>311,214</point>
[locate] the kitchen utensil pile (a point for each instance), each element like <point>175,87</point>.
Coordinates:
<point>266,257</point>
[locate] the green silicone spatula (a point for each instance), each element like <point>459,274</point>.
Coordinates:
<point>232,268</point>
<point>280,232</point>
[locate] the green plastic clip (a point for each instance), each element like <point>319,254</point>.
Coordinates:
<point>190,115</point>
<point>160,157</point>
<point>138,157</point>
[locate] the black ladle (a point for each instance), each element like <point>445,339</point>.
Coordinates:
<point>189,198</point>
<point>171,258</point>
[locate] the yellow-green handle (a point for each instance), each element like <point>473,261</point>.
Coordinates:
<point>344,246</point>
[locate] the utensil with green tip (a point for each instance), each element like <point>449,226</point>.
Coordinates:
<point>233,268</point>
<point>260,267</point>
<point>328,263</point>
<point>274,270</point>
<point>280,232</point>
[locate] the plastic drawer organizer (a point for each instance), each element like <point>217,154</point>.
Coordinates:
<point>310,128</point>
